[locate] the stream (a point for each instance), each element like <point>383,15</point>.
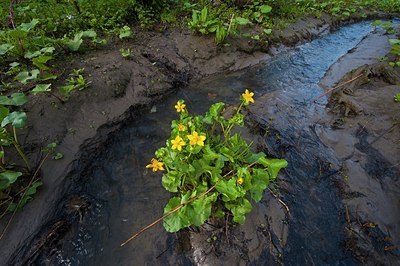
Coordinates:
<point>117,196</point>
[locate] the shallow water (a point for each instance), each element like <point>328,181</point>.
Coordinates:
<point>124,196</point>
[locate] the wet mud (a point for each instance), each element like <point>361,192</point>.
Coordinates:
<point>99,193</point>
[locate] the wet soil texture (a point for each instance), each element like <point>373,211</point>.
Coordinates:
<point>340,187</point>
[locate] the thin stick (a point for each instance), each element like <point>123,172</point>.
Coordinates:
<point>11,13</point>
<point>168,214</point>
<point>19,202</point>
<point>336,87</point>
<point>176,209</point>
<point>281,202</point>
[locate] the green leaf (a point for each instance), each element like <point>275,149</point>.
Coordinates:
<point>40,61</point>
<point>30,55</point>
<point>24,76</point>
<point>125,32</point>
<point>16,99</point>
<point>237,119</point>
<point>67,89</point>
<point>125,52</point>
<point>199,210</point>
<point>394,41</point>
<point>40,88</point>
<point>239,210</point>
<point>27,196</point>
<point>265,9</point>
<point>48,50</point>
<point>47,76</point>
<point>89,34</point>
<point>14,65</point>
<point>397,97</point>
<point>254,157</point>
<point>172,181</point>
<point>28,26</point>
<point>58,156</point>
<point>268,31</point>
<point>50,147</point>
<point>74,44</point>
<point>274,165</point>
<point>214,113</point>
<point>17,119</point>
<point>176,220</point>
<point>204,14</point>
<point>229,190</point>
<point>7,178</point>
<point>5,48</point>
<point>259,182</point>
<point>377,23</point>
<point>4,111</point>
<point>242,21</point>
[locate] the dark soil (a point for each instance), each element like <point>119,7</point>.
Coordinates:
<point>366,135</point>
<point>160,64</point>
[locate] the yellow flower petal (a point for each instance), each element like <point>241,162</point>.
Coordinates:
<point>195,139</point>
<point>248,97</point>
<point>156,165</point>
<point>180,106</point>
<point>177,143</point>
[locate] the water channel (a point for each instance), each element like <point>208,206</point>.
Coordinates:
<point>124,196</point>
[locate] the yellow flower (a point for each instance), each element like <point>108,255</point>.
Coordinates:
<point>195,139</point>
<point>248,97</point>
<point>177,143</point>
<point>181,127</point>
<point>240,181</point>
<point>156,165</point>
<point>180,106</point>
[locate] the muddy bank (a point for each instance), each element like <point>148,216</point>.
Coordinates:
<point>364,132</point>
<point>159,65</point>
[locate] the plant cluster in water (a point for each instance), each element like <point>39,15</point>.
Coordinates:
<point>210,169</point>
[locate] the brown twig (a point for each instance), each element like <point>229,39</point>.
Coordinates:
<point>176,209</point>
<point>19,202</point>
<point>11,13</point>
<point>336,87</point>
<point>280,201</point>
<point>11,16</point>
<point>168,214</point>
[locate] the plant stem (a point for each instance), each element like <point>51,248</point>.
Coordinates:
<point>230,25</point>
<point>18,148</point>
<point>11,13</point>
<point>23,195</point>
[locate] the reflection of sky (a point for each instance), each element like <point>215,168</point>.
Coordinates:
<point>298,70</point>
<point>133,196</point>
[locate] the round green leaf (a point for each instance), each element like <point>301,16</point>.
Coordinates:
<point>7,178</point>
<point>17,119</point>
<point>16,99</point>
<point>176,220</point>
<point>265,9</point>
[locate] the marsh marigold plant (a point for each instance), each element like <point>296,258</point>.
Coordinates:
<point>210,169</point>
